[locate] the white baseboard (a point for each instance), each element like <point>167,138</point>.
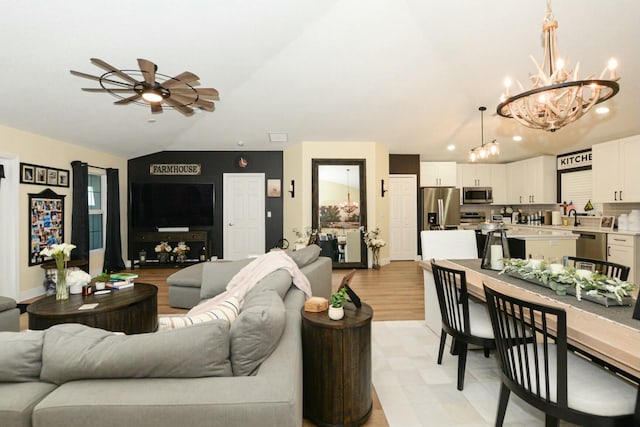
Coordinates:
<point>31,293</point>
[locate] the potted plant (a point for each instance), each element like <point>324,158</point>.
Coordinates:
<point>336,307</point>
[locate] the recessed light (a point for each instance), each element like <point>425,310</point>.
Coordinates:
<point>451,147</point>
<point>240,143</point>
<point>602,110</point>
<point>151,120</point>
<point>517,138</point>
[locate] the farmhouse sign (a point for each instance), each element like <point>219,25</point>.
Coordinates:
<point>175,169</point>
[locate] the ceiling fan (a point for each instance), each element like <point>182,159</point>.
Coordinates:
<point>141,87</point>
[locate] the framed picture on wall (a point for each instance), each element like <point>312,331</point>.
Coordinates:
<point>46,223</point>
<point>52,176</point>
<point>273,188</point>
<point>27,173</point>
<point>41,175</point>
<point>63,178</point>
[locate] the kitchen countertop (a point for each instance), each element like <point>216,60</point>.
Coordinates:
<point>572,228</point>
<point>532,233</point>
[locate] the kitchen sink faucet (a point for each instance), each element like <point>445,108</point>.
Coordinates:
<point>575,213</point>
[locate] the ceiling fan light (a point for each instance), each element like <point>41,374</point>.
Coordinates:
<point>151,96</point>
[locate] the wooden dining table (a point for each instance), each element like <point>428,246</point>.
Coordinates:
<point>608,334</point>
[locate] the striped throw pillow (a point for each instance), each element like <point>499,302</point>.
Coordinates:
<point>227,310</point>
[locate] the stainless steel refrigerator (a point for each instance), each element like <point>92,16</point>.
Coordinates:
<point>440,207</point>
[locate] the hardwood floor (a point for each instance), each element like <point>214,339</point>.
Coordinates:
<point>395,292</point>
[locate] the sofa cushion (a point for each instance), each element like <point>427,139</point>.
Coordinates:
<point>278,281</point>
<point>187,277</point>
<point>73,352</point>
<point>306,255</point>
<point>21,356</point>
<point>257,331</point>
<point>227,310</point>
<point>18,401</point>
<point>216,276</point>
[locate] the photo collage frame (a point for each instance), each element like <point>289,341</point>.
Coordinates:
<point>46,223</point>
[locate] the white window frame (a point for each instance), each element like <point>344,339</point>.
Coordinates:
<point>103,203</point>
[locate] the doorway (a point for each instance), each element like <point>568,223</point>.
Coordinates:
<point>243,214</point>
<point>9,201</point>
<point>403,217</point>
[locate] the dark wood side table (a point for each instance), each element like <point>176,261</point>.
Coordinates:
<point>337,367</point>
<point>132,310</point>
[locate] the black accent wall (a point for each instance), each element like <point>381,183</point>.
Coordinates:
<point>214,165</point>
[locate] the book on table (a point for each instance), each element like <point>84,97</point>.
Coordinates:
<point>120,285</point>
<point>126,277</point>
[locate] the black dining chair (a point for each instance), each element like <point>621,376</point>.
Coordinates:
<point>543,373</point>
<point>609,269</point>
<point>466,321</point>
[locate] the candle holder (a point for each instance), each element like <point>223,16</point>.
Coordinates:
<point>496,248</point>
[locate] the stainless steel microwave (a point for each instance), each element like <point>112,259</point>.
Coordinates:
<point>477,195</point>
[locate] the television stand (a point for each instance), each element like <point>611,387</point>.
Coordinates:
<point>148,240</point>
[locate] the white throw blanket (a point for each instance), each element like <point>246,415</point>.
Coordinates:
<point>251,274</point>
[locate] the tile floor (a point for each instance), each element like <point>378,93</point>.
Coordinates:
<point>415,391</point>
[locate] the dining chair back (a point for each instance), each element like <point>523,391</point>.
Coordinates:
<point>467,322</point>
<point>531,344</point>
<point>609,269</point>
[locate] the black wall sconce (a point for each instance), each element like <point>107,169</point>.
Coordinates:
<point>382,189</point>
<point>292,188</point>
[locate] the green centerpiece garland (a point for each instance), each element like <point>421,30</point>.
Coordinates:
<point>568,277</point>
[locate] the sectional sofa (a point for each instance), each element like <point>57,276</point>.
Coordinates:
<point>209,374</point>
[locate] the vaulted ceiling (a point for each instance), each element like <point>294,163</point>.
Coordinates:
<point>409,74</point>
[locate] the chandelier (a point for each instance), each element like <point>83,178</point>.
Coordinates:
<point>557,97</point>
<point>348,207</point>
<point>483,150</point>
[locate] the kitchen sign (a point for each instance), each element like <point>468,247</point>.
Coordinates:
<point>175,169</point>
<point>577,160</point>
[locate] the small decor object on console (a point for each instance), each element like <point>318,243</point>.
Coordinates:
<point>336,309</point>
<point>163,249</point>
<point>373,241</point>
<point>181,250</point>
<point>60,253</point>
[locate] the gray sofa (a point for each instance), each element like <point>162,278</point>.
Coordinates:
<point>72,375</point>
<point>9,315</point>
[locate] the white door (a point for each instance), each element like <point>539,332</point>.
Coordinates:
<point>243,215</point>
<point>9,277</point>
<point>403,217</point>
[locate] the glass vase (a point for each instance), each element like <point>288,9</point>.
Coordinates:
<point>376,261</point>
<point>62,291</point>
<point>182,257</point>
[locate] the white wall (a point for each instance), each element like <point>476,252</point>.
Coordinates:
<point>40,150</point>
<point>297,166</point>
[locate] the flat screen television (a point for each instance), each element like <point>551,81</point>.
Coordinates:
<point>155,205</point>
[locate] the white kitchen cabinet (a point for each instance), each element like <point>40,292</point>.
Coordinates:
<point>475,175</point>
<point>616,171</point>
<point>437,174</point>
<point>532,181</point>
<point>499,184</point>
<point>623,249</point>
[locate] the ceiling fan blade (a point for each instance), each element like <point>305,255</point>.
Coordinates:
<point>148,69</point>
<point>128,100</point>
<point>205,92</point>
<point>187,111</point>
<point>100,63</point>
<point>99,79</point>
<point>87,89</point>
<point>205,105</point>
<point>185,77</point>
<point>156,108</point>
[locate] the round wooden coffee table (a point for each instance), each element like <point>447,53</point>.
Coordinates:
<point>132,310</point>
